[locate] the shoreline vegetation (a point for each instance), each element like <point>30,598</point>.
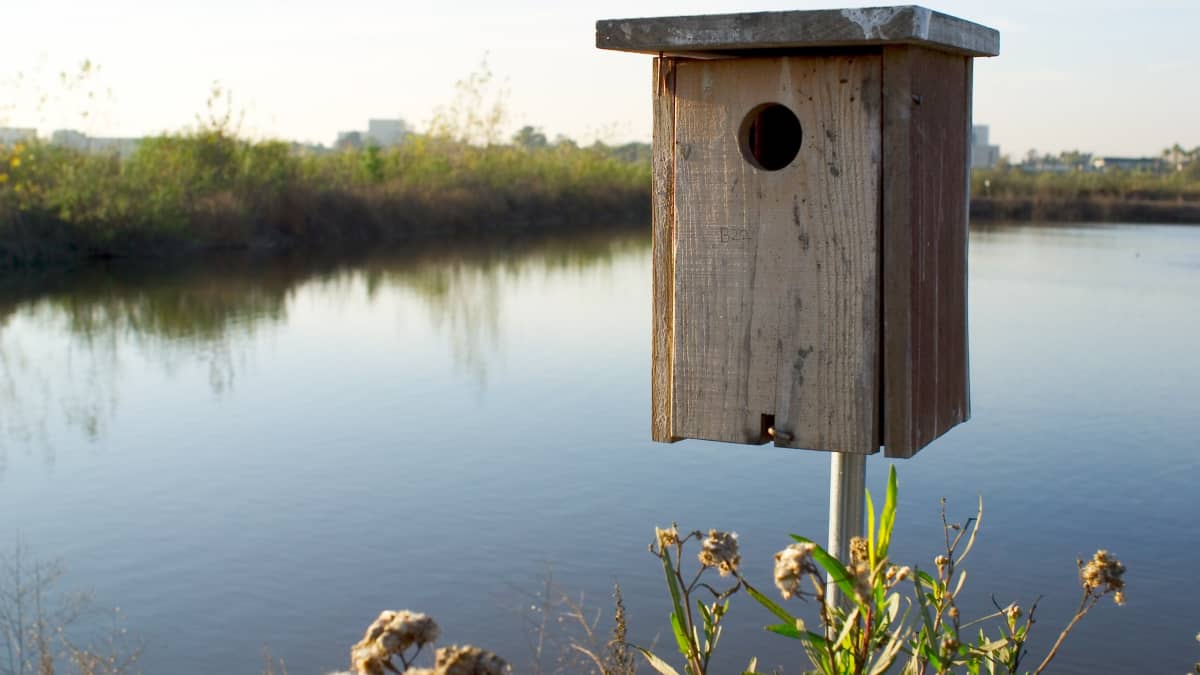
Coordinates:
<point>210,189</point>
<point>1008,193</point>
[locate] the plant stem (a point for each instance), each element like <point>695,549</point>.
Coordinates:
<point>1084,607</point>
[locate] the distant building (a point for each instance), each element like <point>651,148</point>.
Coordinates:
<point>380,133</point>
<point>983,156</point>
<point>386,133</point>
<point>1147,164</point>
<point>124,147</point>
<point>69,138</point>
<point>14,135</point>
<point>77,140</point>
<point>347,140</point>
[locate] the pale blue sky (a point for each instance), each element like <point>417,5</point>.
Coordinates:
<point>1105,76</point>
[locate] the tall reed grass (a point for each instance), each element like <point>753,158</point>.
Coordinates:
<point>1010,193</point>
<point>210,189</point>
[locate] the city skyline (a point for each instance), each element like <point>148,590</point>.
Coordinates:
<point>1104,77</point>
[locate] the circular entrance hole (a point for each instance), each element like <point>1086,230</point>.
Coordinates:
<point>770,136</point>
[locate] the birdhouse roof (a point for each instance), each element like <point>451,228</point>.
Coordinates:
<point>745,34</point>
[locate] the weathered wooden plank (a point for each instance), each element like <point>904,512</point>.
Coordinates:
<point>964,357</point>
<point>807,29</point>
<point>776,273</point>
<point>953,389</point>
<point>663,251</point>
<point>925,146</point>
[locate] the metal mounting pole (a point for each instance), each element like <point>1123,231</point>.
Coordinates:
<point>847,494</point>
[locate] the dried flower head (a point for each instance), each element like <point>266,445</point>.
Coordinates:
<point>860,573</point>
<point>390,634</point>
<point>667,537</point>
<point>467,660</point>
<point>790,565</point>
<point>859,551</point>
<point>720,550</point>
<point>942,562</point>
<point>897,574</point>
<point>1102,574</point>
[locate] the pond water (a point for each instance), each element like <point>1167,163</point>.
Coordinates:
<point>247,453</point>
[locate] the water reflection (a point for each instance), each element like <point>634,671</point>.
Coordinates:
<point>463,288</point>
<point>66,338</point>
<point>357,451</point>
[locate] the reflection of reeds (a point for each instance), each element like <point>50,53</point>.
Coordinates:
<point>207,309</point>
<point>209,189</point>
<point>44,631</point>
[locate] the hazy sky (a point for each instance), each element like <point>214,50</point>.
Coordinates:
<point>1104,76</point>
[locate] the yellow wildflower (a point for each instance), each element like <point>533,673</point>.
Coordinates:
<point>14,162</point>
<point>3,178</point>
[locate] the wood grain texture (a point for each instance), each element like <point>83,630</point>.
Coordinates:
<point>798,30</point>
<point>663,251</point>
<point>776,305</point>
<point>926,96</point>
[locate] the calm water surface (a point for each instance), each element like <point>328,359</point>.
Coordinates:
<point>269,453</point>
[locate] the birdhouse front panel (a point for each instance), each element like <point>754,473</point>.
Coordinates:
<point>810,224</point>
<point>776,229</point>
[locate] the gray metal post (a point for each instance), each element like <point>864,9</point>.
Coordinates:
<point>847,495</point>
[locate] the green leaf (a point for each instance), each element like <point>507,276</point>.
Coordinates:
<point>672,583</point>
<point>931,656</point>
<point>786,630</point>
<point>769,604</point>
<point>681,638</point>
<point>706,615</point>
<point>656,663</point>
<point>872,552</point>
<point>925,578</point>
<point>887,519</point>
<point>685,646</point>
<point>815,646</point>
<point>843,638</point>
<point>922,600</point>
<point>991,645</point>
<point>836,570</point>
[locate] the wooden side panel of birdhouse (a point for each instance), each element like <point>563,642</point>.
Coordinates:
<point>663,251</point>
<point>775,312</point>
<point>926,141</point>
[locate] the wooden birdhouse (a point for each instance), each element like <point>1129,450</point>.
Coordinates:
<point>810,224</point>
